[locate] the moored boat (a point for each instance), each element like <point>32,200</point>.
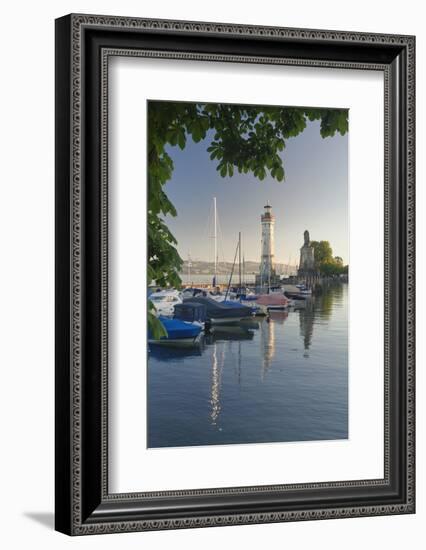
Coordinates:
<point>179,333</point>
<point>304,290</point>
<point>255,309</point>
<point>244,293</point>
<point>221,297</point>
<point>191,313</point>
<point>165,300</point>
<point>221,313</point>
<point>273,301</point>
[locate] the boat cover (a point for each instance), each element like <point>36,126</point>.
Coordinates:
<point>190,312</point>
<point>220,310</point>
<point>179,329</point>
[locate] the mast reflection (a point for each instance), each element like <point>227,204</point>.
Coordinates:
<point>215,385</point>
<point>224,334</point>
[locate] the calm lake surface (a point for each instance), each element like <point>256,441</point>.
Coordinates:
<point>280,380</point>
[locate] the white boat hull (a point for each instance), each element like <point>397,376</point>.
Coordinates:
<point>164,311</point>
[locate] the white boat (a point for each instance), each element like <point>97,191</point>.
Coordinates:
<point>191,292</point>
<point>164,301</point>
<point>221,297</point>
<point>207,293</point>
<point>304,290</point>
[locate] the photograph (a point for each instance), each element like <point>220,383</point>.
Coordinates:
<point>234,273</point>
<point>248,274</point>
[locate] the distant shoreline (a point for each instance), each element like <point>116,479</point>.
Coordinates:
<point>200,267</point>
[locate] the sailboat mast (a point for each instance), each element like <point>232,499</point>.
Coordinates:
<point>189,269</point>
<point>215,239</point>
<point>232,272</point>
<point>239,258</point>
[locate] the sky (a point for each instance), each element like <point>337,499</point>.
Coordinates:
<point>313,196</point>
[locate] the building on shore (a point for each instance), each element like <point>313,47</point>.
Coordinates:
<point>307,270</point>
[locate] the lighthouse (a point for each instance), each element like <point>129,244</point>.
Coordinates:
<point>267,246</point>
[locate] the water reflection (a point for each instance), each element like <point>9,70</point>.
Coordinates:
<point>175,355</point>
<point>306,324</point>
<point>215,384</point>
<point>252,382</point>
<point>325,304</point>
<point>228,334</point>
<point>267,340</point>
<point>318,310</point>
<point>231,332</point>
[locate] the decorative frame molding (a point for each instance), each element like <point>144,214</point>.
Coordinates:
<point>84,44</point>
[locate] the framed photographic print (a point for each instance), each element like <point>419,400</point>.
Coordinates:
<point>234,274</point>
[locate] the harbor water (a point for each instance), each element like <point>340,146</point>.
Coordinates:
<point>280,379</point>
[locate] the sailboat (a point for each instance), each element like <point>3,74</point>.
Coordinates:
<point>216,294</point>
<point>224,311</point>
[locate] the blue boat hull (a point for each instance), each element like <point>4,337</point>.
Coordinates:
<point>178,333</point>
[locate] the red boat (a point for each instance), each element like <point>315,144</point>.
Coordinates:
<point>272,301</point>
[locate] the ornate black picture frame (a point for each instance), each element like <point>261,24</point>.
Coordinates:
<point>83,45</point>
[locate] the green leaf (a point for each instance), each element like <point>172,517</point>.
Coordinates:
<point>246,137</point>
<point>156,327</point>
<point>181,140</point>
<point>279,173</point>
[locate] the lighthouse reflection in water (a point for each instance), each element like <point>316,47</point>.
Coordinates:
<point>279,379</point>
